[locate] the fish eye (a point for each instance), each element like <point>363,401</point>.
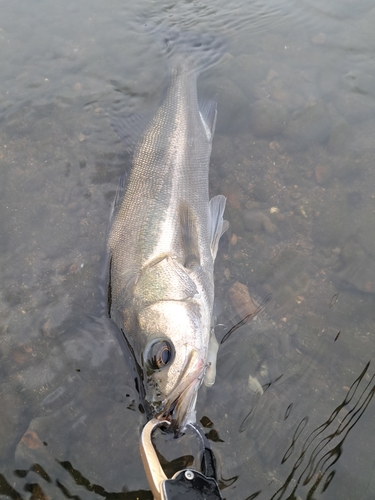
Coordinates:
<point>159,354</point>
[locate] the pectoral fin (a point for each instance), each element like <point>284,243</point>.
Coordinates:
<point>118,197</point>
<point>213,347</point>
<point>218,226</point>
<point>208,113</point>
<point>130,127</point>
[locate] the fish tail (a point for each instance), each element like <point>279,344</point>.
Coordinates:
<point>199,51</point>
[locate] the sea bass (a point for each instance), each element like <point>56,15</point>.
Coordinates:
<point>162,245</point>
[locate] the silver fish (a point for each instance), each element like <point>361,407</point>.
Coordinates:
<point>162,246</point>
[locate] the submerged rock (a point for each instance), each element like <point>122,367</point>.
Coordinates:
<point>340,137</point>
<point>241,301</point>
<point>310,125</point>
<point>359,273</point>
<point>355,106</point>
<point>268,118</point>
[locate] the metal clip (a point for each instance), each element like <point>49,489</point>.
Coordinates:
<point>188,483</point>
<point>154,472</point>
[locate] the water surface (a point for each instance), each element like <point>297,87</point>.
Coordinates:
<point>290,415</point>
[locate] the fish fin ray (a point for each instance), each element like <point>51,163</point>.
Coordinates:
<point>118,196</point>
<point>217,225</point>
<point>208,111</point>
<point>213,347</point>
<point>130,128</point>
<point>225,227</point>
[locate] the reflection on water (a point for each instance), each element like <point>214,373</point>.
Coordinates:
<point>323,447</point>
<point>290,414</point>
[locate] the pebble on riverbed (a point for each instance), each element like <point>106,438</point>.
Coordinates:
<point>255,220</point>
<point>241,300</point>
<point>31,440</point>
<point>323,174</point>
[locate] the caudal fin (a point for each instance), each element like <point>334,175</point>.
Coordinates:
<point>202,50</point>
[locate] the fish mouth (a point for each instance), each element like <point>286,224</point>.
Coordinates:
<point>179,406</point>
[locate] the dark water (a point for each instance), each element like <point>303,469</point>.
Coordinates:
<point>291,412</point>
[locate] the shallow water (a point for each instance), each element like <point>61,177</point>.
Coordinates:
<point>290,415</point>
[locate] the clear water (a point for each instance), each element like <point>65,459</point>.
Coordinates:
<point>294,154</point>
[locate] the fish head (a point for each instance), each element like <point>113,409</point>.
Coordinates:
<point>173,358</point>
